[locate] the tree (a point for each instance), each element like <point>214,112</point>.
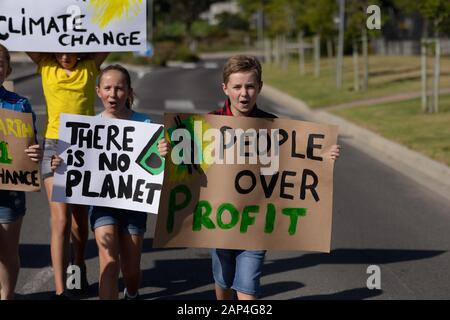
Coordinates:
<point>437,12</point>
<point>230,21</point>
<point>186,11</point>
<point>319,16</point>
<point>356,12</point>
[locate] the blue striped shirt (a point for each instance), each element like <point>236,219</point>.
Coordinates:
<point>12,101</point>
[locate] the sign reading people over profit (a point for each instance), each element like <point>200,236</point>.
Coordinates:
<point>73,25</point>
<point>246,183</point>
<point>109,162</point>
<point>17,171</point>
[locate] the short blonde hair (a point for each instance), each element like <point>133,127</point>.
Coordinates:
<point>242,63</point>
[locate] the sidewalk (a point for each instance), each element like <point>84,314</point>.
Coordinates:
<point>381,100</point>
<point>425,171</point>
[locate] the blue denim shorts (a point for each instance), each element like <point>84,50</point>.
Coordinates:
<point>50,149</point>
<point>12,205</point>
<point>128,221</point>
<point>239,270</point>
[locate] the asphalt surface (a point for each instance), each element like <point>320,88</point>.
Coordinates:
<point>380,217</point>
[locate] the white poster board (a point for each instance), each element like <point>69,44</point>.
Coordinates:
<point>109,162</point>
<point>73,25</point>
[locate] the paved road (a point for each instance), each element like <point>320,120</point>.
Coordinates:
<point>380,218</point>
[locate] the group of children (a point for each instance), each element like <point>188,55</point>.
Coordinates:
<point>70,82</point>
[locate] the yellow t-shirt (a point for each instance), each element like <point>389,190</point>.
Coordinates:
<point>74,94</point>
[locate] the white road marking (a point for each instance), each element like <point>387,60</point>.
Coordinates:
<point>150,111</point>
<point>174,64</point>
<point>189,65</point>
<point>136,103</point>
<point>37,282</point>
<point>39,110</point>
<point>211,65</point>
<point>178,105</point>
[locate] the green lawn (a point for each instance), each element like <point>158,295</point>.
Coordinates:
<point>389,75</point>
<point>405,123</point>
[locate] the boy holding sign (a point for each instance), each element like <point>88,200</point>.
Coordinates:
<point>240,270</point>
<point>12,203</point>
<point>68,80</point>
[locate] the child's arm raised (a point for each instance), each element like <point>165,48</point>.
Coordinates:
<point>36,56</point>
<point>98,57</point>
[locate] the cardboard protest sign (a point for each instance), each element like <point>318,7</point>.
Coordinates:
<point>109,162</point>
<point>17,171</point>
<point>73,25</point>
<point>246,183</point>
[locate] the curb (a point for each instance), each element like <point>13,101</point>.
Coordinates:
<point>423,170</point>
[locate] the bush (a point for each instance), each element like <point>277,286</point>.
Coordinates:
<point>169,50</point>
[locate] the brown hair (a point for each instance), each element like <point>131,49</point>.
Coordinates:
<point>242,63</point>
<point>118,67</point>
<point>6,54</point>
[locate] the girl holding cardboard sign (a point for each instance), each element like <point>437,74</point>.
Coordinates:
<point>12,203</point>
<point>119,233</point>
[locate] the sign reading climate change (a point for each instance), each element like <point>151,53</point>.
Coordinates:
<point>109,162</point>
<point>17,171</point>
<point>73,25</point>
<point>246,183</point>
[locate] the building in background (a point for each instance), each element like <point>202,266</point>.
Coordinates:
<point>218,8</point>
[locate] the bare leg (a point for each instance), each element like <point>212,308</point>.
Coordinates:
<point>244,296</point>
<point>107,238</point>
<point>9,258</point>
<point>60,239</point>
<point>130,260</point>
<point>80,233</point>
<point>224,294</point>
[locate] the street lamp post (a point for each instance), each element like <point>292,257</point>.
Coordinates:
<point>150,20</point>
<point>340,53</point>
<point>260,27</point>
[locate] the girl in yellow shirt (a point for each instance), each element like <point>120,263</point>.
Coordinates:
<point>68,81</point>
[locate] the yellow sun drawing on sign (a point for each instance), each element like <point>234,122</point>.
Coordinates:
<point>107,11</point>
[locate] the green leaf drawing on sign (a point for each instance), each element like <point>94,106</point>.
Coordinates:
<point>4,156</point>
<point>150,159</point>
